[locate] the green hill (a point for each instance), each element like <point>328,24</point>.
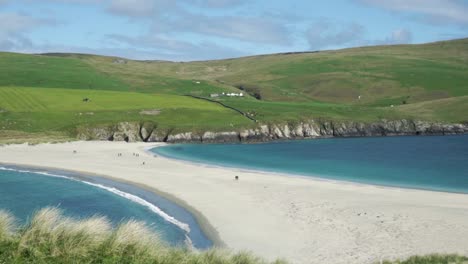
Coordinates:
<point>423,82</point>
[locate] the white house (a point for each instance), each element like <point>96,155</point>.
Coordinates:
<point>234,94</point>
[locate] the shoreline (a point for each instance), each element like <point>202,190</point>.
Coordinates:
<point>297,218</point>
<point>314,177</point>
<point>208,230</point>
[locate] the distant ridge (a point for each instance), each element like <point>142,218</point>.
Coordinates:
<point>364,85</point>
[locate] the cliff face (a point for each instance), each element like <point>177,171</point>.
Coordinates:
<point>148,132</point>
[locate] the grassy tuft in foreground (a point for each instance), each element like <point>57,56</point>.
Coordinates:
<point>432,259</point>
<point>52,238</point>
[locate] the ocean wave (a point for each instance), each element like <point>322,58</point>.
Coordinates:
<point>120,193</point>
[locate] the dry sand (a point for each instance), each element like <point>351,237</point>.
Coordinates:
<point>300,219</point>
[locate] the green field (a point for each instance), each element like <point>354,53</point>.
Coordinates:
<point>39,110</point>
<point>44,94</point>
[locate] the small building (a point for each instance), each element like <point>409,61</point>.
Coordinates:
<point>235,94</point>
<point>214,95</point>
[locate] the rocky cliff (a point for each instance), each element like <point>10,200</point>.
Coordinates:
<point>149,132</point>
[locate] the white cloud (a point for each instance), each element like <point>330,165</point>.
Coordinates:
<point>433,11</point>
<point>172,18</point>
<point>325,34</point>
<point>145,8</point>
<point>400,36</point>
<point>219,3</point>
<point>133,8</point>
<point>247,29</point>
<point>13,27</point>
<point>172,49</point>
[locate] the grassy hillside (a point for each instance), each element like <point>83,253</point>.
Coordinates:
<point>39,109</point>
<point>379,74</point>
<point>43,71</point>
<point>428,82</point>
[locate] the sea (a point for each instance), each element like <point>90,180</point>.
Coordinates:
<point>437,163</point>
<point>24,191</point>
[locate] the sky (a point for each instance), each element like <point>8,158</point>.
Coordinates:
<point>186,30</point>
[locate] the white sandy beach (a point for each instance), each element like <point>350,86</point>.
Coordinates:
<point>299,219</point>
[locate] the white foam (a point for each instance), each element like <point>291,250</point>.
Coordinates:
<point>120,193</point>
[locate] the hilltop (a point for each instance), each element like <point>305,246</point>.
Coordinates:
<point>42,94</point>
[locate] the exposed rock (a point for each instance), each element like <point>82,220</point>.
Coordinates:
<point>127,131</point>
<point>264,130</point>
<point>183,137</point>
<point>146,130</point>
<point>220,136</point>
<point>119,61</point>
<point>298,131</point>
<point>310,129</point>
<point>96,133</point>
<point>145,133</point>
<point>150,112</point>
<point>277,133</point>
<point>157,136</point>
<point>286,131</point>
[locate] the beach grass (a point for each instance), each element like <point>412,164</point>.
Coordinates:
<point>50,237</point>
<point>432,259</point>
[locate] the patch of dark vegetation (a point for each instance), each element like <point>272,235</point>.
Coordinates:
<point>254,91</point>
<point>65,55</point>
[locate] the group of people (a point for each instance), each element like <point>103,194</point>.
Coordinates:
<point>134,154</point>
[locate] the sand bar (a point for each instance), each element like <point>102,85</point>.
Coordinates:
<point>300,219</point>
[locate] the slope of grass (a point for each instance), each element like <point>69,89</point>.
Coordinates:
<point>413,72</point>
<point>449,109</point>
<point>266,111</point>
<point>27,99</point>
<point>43,71</point>
<point>422,82</point>
<point>39,110</point>
<point>79,72</point>
<point>52,238</point>
<point>416,72</point>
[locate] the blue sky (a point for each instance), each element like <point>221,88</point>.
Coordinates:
<point>212,29</point>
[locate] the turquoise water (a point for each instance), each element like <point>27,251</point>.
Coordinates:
<point>426,162</point>
<point>22,192</point>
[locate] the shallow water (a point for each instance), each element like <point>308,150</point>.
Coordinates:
<point>22,192</point>
<point>424,162</point>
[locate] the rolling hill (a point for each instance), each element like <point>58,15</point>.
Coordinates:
<point>43,93</point>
